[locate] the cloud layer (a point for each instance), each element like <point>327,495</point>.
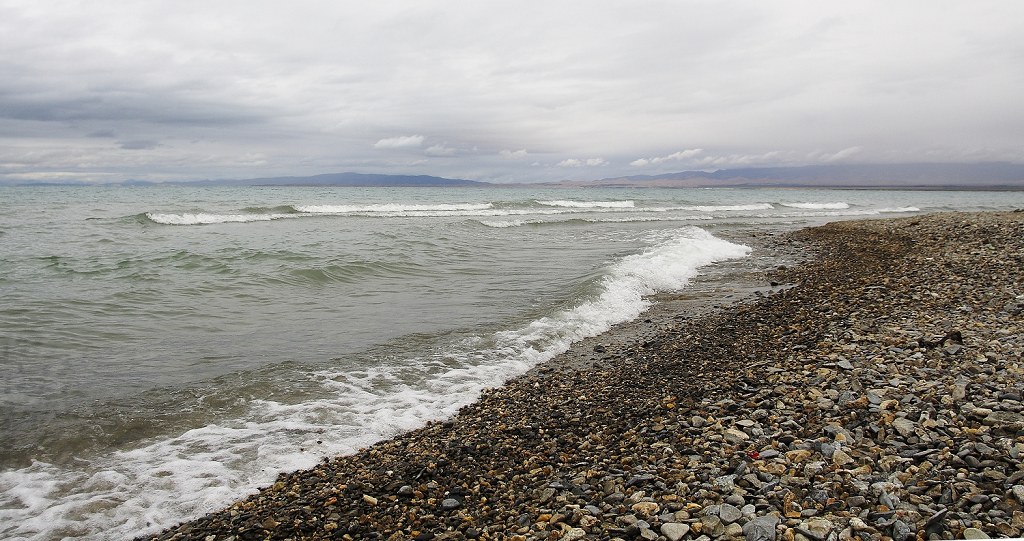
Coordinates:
<point>183,90</point>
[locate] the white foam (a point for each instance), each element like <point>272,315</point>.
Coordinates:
<point>143,490</point>
<point>817,206</point>
<point>502,224</point>
<point>588,204</point>
<point>899,209</point>
<point>716,208</point>
<point>202,218</point>
<point>391,208</point>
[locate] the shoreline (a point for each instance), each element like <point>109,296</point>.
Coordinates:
<point>840,408</point>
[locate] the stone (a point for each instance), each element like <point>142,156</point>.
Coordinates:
<point>974,533</point>
<point>450,504</point>
<point>729,513</point>
<point>840,458</point>
<point>712,526</point>
<point>647,509</point>
<point>406,491</point>
<point>798,455</point>
<point>1007,420</point>
<point>674,531</point>
<point>904,426</point>
<point>733,531</point>
<point>761,528</point>
<point>369,499</point>
<point>1018,492</point>
<point>572,534</point>
<point>816,528</point>
<point>734,436</point>
<point>901,531</point>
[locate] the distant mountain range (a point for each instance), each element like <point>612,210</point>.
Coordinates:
<point>993,175</point>
<point>344,179</point>
<point>977,176</point>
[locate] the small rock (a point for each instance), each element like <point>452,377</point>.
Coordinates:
<point>712,526</point>
<point>1018,492</point>
<point>647,509</point>
<point>450,503</point>
<point>674,531</point>
<point>816,528</point>
<point>904,426</point>
<point>1004,419</point>
<point>974,533</point>
<point>729,513</point>
<point>845,364</point>
<point>726,482</point>
<point>406,491</point>
<point>798,455</point>
<point>734,436</point>
<point>761,528</point>
<point>572,534</point>
<point>840,458</point>
<point>369,499</point>
<point>901,531</point>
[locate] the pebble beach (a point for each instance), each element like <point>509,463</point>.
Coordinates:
<point>871,391</point>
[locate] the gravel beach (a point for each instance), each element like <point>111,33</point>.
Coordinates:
<point>872,391</point>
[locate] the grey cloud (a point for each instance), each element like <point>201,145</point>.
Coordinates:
<point>377,88</point>
<point>150,109</point>
<point>138,145</point>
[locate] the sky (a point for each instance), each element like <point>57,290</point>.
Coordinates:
<point>519,91</point>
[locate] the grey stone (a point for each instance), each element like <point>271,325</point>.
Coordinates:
<point>450,503</point>
<point>761,528</point>
<point>901,530</point>
<point>845,364</point>
<point>1004,419</point>
<point>674,531</point>
<point>1018,492</point>
<point>734,436</point>
<point>729,513</point>
<point>974,533</point>
<point>736,500</point>
<point>726,482</point>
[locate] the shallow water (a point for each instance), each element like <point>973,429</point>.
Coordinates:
<point>167,350</point>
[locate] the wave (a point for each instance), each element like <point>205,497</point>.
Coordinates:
<point>391,208</point>
<point>504,224</point>
<point>899,209</point>
<point>204,218</point>
<point>588,204</point>
<point>140,491</point>
<point>718,208</point>
<point>817,206</point>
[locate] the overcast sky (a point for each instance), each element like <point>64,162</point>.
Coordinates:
<point>501,91</point>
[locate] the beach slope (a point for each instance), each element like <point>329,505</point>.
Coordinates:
<point>879,397</point>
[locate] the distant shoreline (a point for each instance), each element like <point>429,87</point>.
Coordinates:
<point>566,185</point>
<point>984,176</point>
